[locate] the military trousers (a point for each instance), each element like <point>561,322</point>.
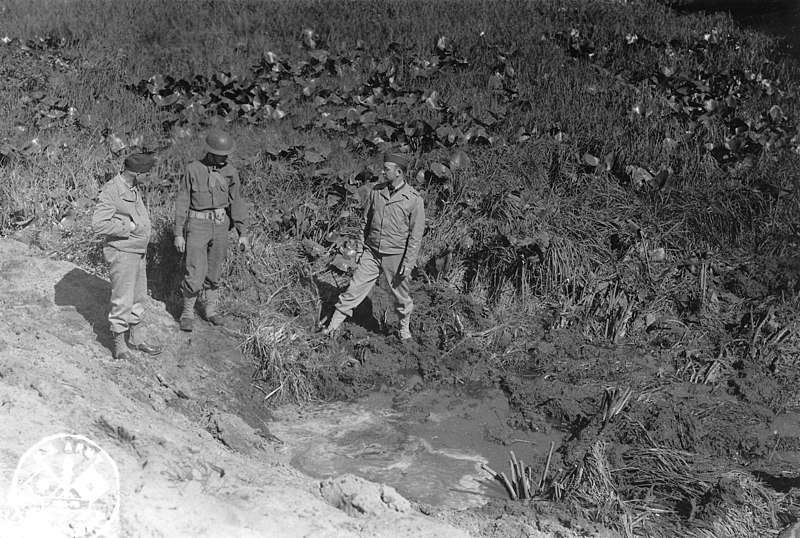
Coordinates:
<point>369,268</point>
<point>206,250</point>
<point>128,274</point>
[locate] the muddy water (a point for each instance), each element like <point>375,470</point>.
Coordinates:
<point>429,445</point>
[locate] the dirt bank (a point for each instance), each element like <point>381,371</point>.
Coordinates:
<point>188,465</point>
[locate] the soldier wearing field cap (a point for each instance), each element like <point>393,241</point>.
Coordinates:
<point>122,217</point>
<point>209,203</point>
<point>395,222</point>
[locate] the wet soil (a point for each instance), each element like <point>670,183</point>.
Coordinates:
<point>429,444</point>
<point>696,446</point>
<point>736,419</point>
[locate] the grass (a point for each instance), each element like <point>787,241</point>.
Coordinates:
<point>526,222</point>
<point>538,222</point>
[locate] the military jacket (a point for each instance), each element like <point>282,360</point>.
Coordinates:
<point>117,206</point>
<point>395,222</point>
<point>203,188</point>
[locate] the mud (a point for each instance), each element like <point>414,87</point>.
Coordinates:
<point>429,444</point>
<point>702,438</point>
<point>737,417</point>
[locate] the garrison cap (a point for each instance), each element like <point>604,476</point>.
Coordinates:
<point>139,163</point>
<point>398,158</point>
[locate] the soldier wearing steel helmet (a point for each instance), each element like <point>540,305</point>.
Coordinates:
<point>209,203</point>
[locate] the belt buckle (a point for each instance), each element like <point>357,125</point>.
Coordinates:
<point>218,216</point>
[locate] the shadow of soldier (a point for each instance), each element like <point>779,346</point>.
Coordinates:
<point>329,296</point>
<point>90,295</point>
<point>165,268</point>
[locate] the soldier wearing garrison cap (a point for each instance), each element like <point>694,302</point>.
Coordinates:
<point>122,217</point>
<point>395,222</point>
<point>209,203</point>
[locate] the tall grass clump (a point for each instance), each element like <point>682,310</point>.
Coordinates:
<point>275,294</point>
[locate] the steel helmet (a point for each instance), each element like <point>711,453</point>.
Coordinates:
<point>219,143</point>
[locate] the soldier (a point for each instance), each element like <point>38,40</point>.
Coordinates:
<point>395,222</point>
<point>122,217</point>
<point>208,202</point>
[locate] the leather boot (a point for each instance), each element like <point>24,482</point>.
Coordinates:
<point>187,316</point>
<point>121,351</point>
<point>211,301</point>
<point>336,321</point>
<point>405,327</point>
<point>135,342</point>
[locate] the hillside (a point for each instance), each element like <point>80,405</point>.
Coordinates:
<point>154,418</point>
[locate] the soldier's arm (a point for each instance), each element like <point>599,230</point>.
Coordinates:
<point>416,227</point>
<point>366,216</point>
<point>182,202</point>
<point>239,206</point>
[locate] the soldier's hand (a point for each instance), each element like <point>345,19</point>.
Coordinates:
<point>244,244</point>
<point>399,277</point>
<point>133,225</point>
<point>180,243</point>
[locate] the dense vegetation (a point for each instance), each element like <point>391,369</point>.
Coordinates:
<point>590,128</point>
<point>604,166</point>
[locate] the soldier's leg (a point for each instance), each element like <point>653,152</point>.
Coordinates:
<point>401,290</point>
<point>217,254</point>
<point>135,338</point>
<point>400,287</point>
<point>122,273</point>
<point>364,278</point>
<point>198,237</point>
<point>139,292</point>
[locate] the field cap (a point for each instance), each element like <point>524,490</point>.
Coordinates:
<point>399,159</point>
<point>139,163</point>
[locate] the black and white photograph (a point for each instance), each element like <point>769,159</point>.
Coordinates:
<point>399,269</point>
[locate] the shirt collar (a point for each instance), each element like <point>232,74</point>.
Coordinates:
<point>126,183</point>
<point>128,189</point>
